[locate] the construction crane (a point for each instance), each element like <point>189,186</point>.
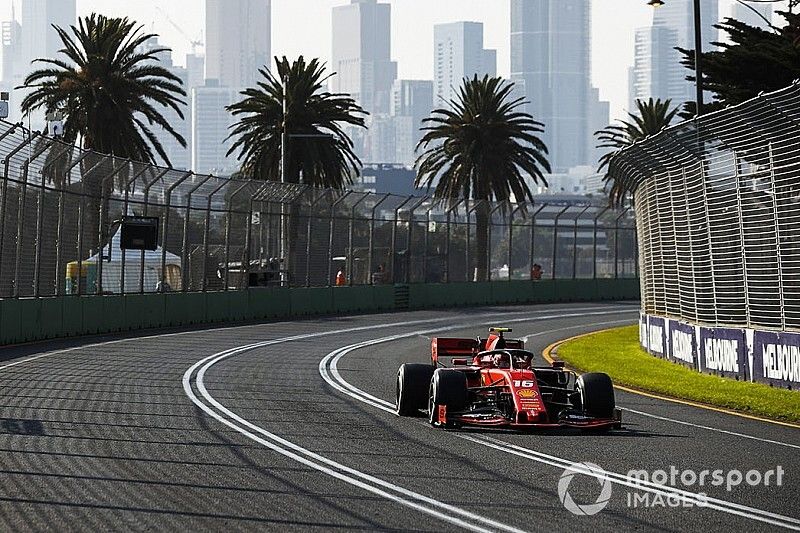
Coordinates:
<point>194,42</point>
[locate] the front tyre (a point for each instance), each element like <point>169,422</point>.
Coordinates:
<point>597,394</point>
<point>449,389</point>
<point>413,380</point>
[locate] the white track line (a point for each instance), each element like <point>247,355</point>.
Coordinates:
<point>374,485</point>
<point>425,504</point>
<point>329,372</point>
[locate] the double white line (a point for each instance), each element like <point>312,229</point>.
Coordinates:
<point>328,369</point>
<point>193,379</point>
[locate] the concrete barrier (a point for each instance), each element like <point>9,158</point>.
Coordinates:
<point>36,319</point>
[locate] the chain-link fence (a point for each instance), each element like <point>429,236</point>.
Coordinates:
<point>718,215</point>
<point>61,209</point>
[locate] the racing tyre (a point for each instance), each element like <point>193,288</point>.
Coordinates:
<point>597,394</point>
<point>413,381</point>
<point>448,388</point>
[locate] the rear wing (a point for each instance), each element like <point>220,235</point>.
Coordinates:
<point>452,347</point>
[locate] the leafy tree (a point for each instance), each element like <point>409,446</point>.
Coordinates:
<point>651,117</point>
<point>108,90</point>
<point>754,60</point>
<point>320,152</point>
<point>482,147</point>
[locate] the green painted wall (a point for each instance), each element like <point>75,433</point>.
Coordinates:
<point>35,319</point>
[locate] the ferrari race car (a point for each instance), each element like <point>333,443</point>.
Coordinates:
<point>491,382</point>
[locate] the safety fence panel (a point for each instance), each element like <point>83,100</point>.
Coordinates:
<point>62,209</point>
<point>718,215</point>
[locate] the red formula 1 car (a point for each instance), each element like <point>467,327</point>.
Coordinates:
<point>492,383</point>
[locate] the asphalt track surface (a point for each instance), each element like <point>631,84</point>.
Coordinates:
<point>289,426</point>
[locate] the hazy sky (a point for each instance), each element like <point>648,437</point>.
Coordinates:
<point>304,27</point>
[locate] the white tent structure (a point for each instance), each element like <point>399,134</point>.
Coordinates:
<point>112,257</point>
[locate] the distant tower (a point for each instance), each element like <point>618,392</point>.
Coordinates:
<point>210,127</point>
<point>657,70</point>
<point>40,40</point>
<point>361,54</point>
<point>551,53</point>
<point>458,53</point>
<point>237,40</point>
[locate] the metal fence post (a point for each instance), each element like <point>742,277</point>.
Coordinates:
<point>128,186</point>
<point>228,216</point>
<point>521,205</point>
<point>185,246</point>
<point>330,235</point>
<point>144,212</point>
<point>350,260</point>
<point>168,202</point>
<point>210,198</point>
<point>616,242</point>
<point>408,241</point>
<point>594,242</point>
<point>555,240</point>
<point>100,229</point>
<point>60,275</point>
<point>372,237</point>
<point>40,224</point>
<point>81,213</point>
<point>394,237</point>
<point>4,194</point>
<point>532,258</point>
<point>575,244</point>
<point>309,233</point>
<point>447,243</point>
<point>21,212</point>
<point>490,227</point>
<point>777,236</point>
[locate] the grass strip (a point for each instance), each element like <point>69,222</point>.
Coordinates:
<point>617,353</point>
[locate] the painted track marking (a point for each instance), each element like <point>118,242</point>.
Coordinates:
<point>329,371</point>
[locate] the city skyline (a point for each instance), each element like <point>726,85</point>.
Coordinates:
<point>612,51</point>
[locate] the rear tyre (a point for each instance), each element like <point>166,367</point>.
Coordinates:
<point>597,394</point>
<point>413,381</point>
<point>448,388</point>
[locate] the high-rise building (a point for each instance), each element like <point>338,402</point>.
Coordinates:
<point>412,102</point>
<point>599,115</point>
<point>658,71</point>
<point>237,40</point>
<point>11,35</point>
<point>550,59</point>
<point>210,128</point>
<point>458,53</point>
<point>361,54</point>
<point>179,156</point>
<point>757,15</point>
<point>38,39</point>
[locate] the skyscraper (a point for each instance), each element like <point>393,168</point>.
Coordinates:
<point>412,102</point>
<point>210,127</point>
<point>38,39</point>
<point>550,59</point>
<point>458,53</point>
<point>179,156</point>
<point>237,40</point>
<point>658,71</point>
<point>361,54</point>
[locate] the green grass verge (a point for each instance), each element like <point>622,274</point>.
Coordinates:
<point>617,353</point>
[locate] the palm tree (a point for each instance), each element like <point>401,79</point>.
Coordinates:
<point>482,147</point>
<point>651,117</point>
<point>108,89</point>
<point>320,150</point>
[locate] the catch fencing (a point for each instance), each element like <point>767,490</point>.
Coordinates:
<point>61,208</point>
<point>718,215</point>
